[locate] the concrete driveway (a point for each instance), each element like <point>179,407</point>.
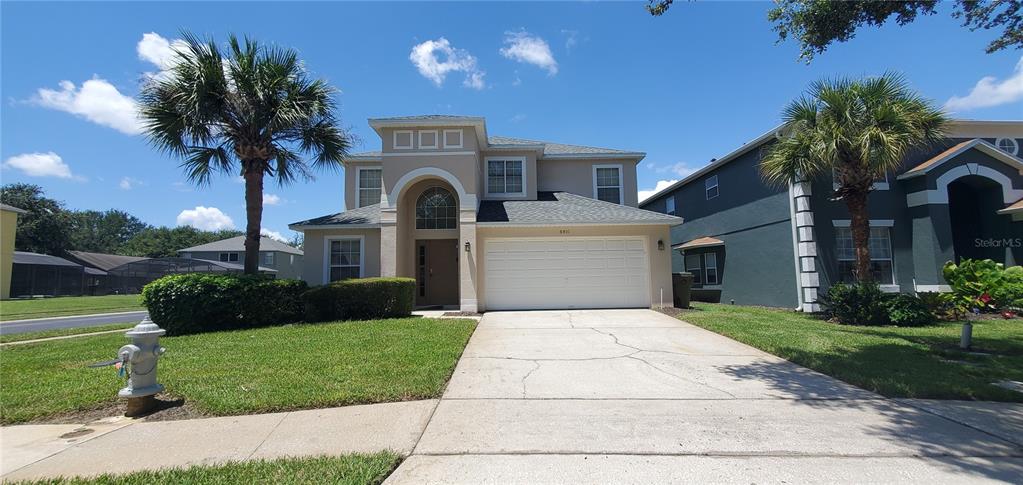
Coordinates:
<point>635,396</point>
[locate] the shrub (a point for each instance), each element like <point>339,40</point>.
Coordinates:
<point>905,310</point>
<point>983,284</point>
<point>856,304</point>
<point>203,302</point>
<point>360,299</point>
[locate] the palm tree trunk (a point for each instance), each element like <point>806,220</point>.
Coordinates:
<point>860,227</point>
<point>253,174</point>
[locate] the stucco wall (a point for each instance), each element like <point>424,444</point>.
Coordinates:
<point>314,263</point>
<point>8,228</point>
<point>576,176</point>
<point>660,260</point>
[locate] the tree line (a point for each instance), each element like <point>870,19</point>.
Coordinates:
<point>49,227</point>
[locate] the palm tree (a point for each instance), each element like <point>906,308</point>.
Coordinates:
<point>857,130</point>
<point>253,111</point>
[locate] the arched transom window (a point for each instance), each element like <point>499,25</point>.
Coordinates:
<point>436,209</point>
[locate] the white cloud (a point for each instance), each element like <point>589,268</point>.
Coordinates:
<point>682,169</point>
<point>436,58</point>
<point>159,51</point>
<point>989,91</point>
<point>128,183</point>
<point>661,185</point>
<point>271,199</point>
<point>524,47</point>
<point>47,164</point>
<point>518,118</point>
<point>571,38</point>
<point>97,101</point>
<point>272,234</point>
<point>205,218</point>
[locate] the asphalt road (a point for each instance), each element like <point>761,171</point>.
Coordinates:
<point>38,324</point>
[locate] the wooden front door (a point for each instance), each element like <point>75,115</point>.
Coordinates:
<point>437,272</point>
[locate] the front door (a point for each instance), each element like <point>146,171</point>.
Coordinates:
<point>436,272</point>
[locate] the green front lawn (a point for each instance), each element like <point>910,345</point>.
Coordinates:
<point>62,332</point>
<point>245,371</point>
<point>356,469</point>
<point>920,362</point>
<point>68,305</point>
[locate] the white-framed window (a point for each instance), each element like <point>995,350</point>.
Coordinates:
<point>436,209</point>
<point>428,139</point>
<point>710,186</point>
<point>229,257</point>
<point>669,205</point>
<point>1008,145</point>
<point>505,176</point>
<point>880,246</point>
<point>879,184</point>
<point>402,140</point>
<point>267,258</point>
<point>343,257</point>
<point>710,268</point>
<point>694,265</point>
<point>608,185</point>
<point>369,185</point>
<point>452,138</point>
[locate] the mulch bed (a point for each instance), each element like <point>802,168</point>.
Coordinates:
<point>167,409</point>
<point>462,314</point>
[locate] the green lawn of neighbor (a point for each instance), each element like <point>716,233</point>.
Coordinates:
<point>355,469</point>
<point>68,305</point>
<point>915,362</point>
<point>245,371</point>
<point>61,332</point>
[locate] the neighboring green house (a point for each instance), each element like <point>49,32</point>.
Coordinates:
<point>273,254</point>
<point>960,199</point>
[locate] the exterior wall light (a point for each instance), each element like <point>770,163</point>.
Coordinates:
<point>467,246</point>
<point>660,244</point>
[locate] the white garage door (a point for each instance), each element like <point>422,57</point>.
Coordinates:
<point>555,273</point>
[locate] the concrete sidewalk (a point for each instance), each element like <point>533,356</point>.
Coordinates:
<point>122,445</point>
<point>635,396</point>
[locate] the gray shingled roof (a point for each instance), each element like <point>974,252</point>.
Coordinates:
<point>566,208</point>
<point>237,243</point>
<point>13,209</point>
<point>428,118</point>
<point>372,154</point>
<point>550,148</point>
<point>368,215</point>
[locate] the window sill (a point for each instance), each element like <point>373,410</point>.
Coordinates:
<point>891,288</point>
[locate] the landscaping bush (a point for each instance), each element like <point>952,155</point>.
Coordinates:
<point>202,302</point>
<point>984,285</point>
<point>905,310</point>
<point>360,299</point>
<point>856,304</point>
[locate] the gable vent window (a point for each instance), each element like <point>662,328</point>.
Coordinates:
<point>1008,145</point>
<point>669,205</point>
<point>607,183</point>
<point>711,187</point>
<point>370,186</point>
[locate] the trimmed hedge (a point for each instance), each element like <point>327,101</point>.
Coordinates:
<point>203,302</point>
<point>360,299</point>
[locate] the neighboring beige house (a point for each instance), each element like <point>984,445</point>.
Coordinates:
<point>274,255</point>
<point>8,228</point>
<point>493,223</point>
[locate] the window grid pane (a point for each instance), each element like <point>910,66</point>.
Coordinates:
<point>436,209</point>
<point>612,195</point>
<point>504,176</point>
<point>370,186</point>
<point>880,246</point>
<point>345,259</point>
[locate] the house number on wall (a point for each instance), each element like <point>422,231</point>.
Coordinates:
<point>564,231</point>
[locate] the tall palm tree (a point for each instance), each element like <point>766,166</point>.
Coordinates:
<point>254,111</point>
<point>857,130</point>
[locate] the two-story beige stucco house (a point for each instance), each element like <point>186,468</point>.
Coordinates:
<point>493,223</point>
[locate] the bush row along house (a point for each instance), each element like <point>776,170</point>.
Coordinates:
<point>748,242</point>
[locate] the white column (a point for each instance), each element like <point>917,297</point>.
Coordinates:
<point>467,274</point>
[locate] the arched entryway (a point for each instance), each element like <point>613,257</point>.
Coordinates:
<point>978,230</point>
<point>428,235</point>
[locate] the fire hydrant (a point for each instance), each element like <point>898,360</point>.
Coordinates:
<point>141,357</point>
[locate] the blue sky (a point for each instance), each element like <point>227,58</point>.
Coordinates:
<point>686,87</point>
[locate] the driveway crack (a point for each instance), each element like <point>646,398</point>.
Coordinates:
<point>536,366</point>
<point>652,366</point>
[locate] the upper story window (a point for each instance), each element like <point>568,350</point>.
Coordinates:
<point>370,184</point>
<point>436,209</point>
<point>1008,145</point>
<point>452,138</point>
<point>267,258</point>
<point>229,257</point>
<point>504,177</point>
<point>711,187</point>
<point>607,183</point>
<point>428,139</point>
<point>669,205</point>
<point>402,140</point>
